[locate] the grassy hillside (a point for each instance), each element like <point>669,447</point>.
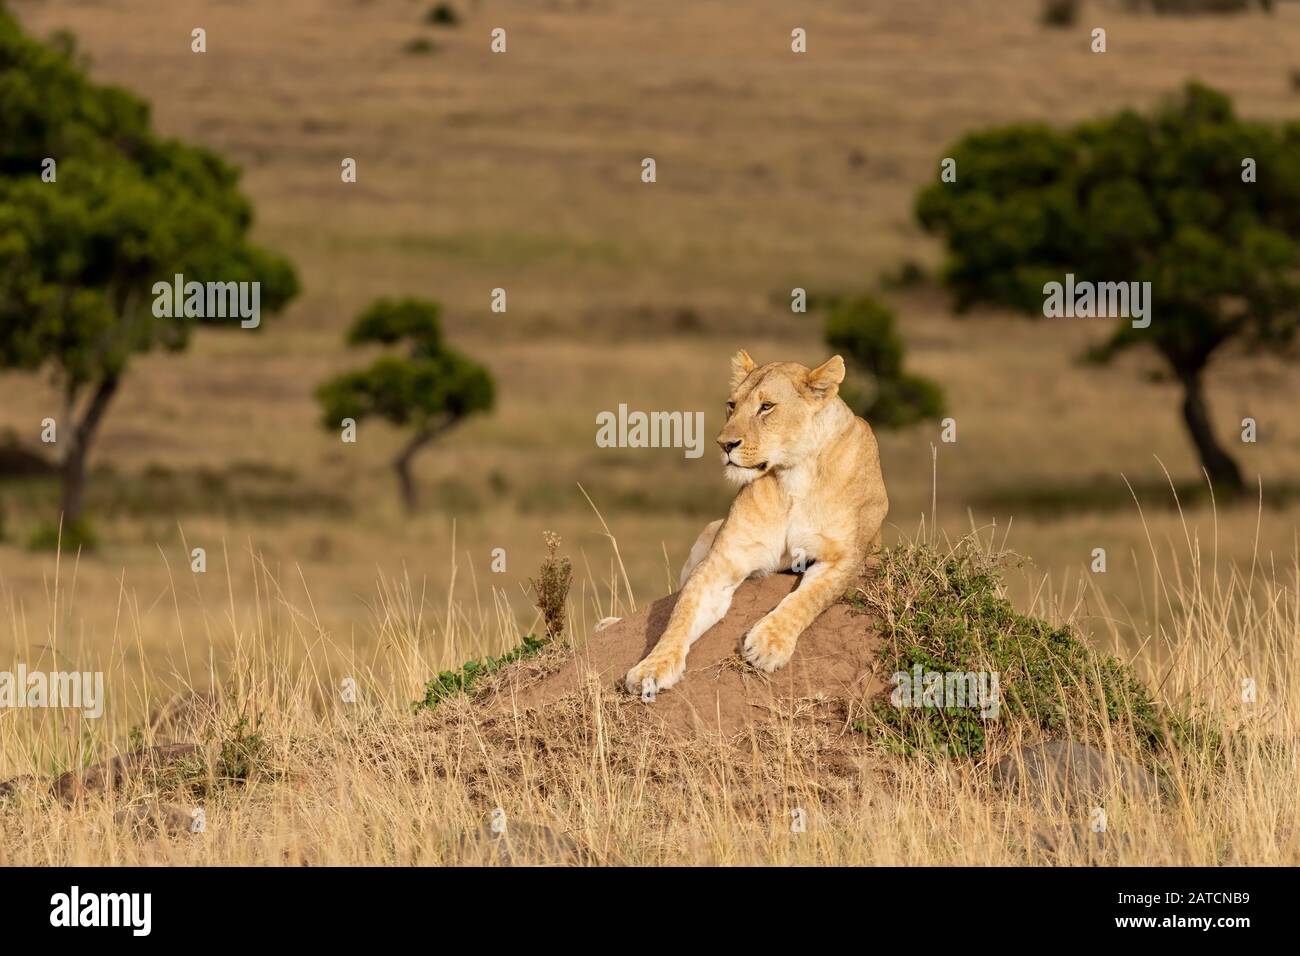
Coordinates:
<point>293,767</point>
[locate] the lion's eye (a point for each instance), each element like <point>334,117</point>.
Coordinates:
<point>766,407</point>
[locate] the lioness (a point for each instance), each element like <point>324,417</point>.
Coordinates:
<point>812,496</point>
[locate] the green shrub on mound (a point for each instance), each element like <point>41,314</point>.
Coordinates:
<point>945,614</point>
<point>463,679</point>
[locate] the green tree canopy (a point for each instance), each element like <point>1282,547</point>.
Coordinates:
<point>83,241</point>
<point>430,389</point>
<point>1168,198</point>
<point>862,330</point>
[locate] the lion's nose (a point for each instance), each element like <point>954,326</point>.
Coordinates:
<point>728,445</point>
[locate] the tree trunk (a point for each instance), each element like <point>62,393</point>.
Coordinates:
<point>1223,471</point>
<point>74,460</point>
<point>402,463</point>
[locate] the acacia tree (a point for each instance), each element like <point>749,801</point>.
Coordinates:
<point>862,329</point>
<point>429,390</point>
<point>1201,204</point>
<point>94,210</point>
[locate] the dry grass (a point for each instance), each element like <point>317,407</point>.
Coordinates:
<point>371,781</point>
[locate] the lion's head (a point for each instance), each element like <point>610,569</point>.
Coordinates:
<point>773,413</point>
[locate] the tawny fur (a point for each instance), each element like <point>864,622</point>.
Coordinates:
<point>813,497</point>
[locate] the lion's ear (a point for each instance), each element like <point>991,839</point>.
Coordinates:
<point>741,366</point>
<point>825,379</point>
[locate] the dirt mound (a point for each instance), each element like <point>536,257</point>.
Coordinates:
<point>720,693</point>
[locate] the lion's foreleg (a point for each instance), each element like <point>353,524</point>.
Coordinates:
<point>699,550</point>
<point>770,643</point>
<point>706,596</point>
<point>701,604</point>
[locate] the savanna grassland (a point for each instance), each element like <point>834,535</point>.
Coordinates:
<point>522,171</point>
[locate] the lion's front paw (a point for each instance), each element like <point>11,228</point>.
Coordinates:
<point>664,669</point>
<point>767,648</point>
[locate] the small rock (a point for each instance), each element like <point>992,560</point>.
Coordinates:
<point>1071,774</point>
<point>152,819</point>
<point>116,773</point>
<point>519,844</point>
